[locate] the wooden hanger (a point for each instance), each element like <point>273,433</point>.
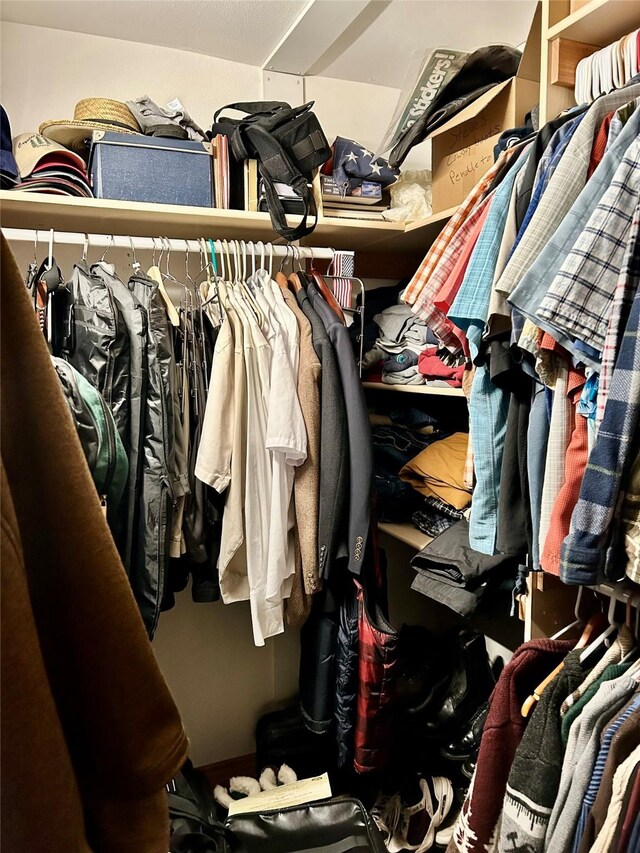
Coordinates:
<point>327,294</point>
<point>594,624</point>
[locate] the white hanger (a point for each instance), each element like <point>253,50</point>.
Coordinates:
<point>577,622</point>
<point>600,640</point>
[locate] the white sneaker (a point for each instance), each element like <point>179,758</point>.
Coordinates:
<point>386,814</point>
<point>417,826</point>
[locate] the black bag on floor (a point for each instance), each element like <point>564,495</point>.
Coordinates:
<point>325,826</point>
<point>283,738</point>
<point>193,815</point>
<point>288,145</point>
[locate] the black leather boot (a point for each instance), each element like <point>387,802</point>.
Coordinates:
<point>470,686</point>
<point>468,743</point>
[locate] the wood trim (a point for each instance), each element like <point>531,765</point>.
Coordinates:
<point>565,56</point>
<point>220,772</point>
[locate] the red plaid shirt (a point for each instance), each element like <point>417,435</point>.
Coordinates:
<point>454,258</point>
<point>441,242</point>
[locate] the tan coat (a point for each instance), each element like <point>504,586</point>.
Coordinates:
<point>90,733</point>
<point>306,486</point>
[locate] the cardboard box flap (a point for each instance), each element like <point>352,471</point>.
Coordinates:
<point>474,108</point>
<point>529,68</point>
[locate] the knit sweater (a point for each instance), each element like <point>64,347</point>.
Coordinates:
<point>535,773</point>
<point>503,731</point>
<point>580,757</point>
<point>611,672</point>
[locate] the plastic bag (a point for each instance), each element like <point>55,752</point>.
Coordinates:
<point>410,197</point>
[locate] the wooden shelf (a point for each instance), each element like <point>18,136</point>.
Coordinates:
<point>415,389</point>
<point>599,22</point>
<point>141,219</point>
<point>419,235</point>
<point>406,533</point>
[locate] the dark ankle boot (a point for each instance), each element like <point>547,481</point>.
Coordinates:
<point>470,686</point>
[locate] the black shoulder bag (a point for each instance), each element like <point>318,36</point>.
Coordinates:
<point>288,145</point>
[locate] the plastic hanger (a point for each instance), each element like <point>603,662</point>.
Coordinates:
<point>602,638</point>
<point>577,622</point>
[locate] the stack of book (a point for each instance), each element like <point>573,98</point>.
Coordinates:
<point>368,201</point>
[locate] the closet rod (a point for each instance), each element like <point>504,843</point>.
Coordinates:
<point>71,238</point>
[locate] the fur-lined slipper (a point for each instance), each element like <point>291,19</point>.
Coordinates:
<point>246,785</point>
<point>286,775</point>
<point>268,779</point>
<point>221,796</point>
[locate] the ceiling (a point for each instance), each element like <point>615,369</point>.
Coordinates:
<point>376,48</point>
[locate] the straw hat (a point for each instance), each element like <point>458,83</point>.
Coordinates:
<point>90,114</point>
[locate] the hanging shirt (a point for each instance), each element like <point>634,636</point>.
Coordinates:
<point>286,437</point>
<point>221,455</point>
<point>266,617</point>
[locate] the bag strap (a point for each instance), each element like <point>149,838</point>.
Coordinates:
<point>275,166</point>
<point>252,107</point>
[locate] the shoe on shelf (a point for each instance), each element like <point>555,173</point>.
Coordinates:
<point>468,743</point>
<point>418,824</point>
<point>470,687</point>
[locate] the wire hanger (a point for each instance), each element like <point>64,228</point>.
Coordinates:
<point>109,245</point>
<point>578,620</point>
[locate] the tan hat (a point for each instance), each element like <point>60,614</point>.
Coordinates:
<point>91,114</point>
<point>30,148</point>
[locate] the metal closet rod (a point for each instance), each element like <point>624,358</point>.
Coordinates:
<point>72,238</point>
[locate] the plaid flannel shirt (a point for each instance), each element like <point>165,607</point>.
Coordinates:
<point>618,315</point>
<point>425,307</point>
<point>584,549</point>
<point>422,274</point>
<point>578,301</point>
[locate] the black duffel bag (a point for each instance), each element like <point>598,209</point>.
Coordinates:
<point>288,145</point>
<point>341,825</point>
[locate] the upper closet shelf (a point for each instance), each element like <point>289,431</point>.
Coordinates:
<point>598,22</point>
<point>106,216</point>
<point>415,389</point>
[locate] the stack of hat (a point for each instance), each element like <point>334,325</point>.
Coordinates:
<point>46,167</point>
<point>8,168</point>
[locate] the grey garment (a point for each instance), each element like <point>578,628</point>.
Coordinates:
<point>564,188</point>
<point>460,600</point>
<point>173,122</point>
<point>151,552</point>
<point>334,447</point>
<point>372,357</point>
<point>359,429</point>
<point>393,323</point>
<point>417,337</point>
<point>394,362</point>
<point>408,376</point>
<point>451,560</point>
<point>537,439</point>
<point>529,293</point>
<point>101,352</point>
<point>134,317</point>
<point>580,756</point>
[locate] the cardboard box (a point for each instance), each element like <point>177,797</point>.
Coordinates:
<point>462,149</point>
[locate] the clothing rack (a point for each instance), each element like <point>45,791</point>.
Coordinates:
<point>71,238</point>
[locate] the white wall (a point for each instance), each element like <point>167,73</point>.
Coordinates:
<point>63,67</point>
<point>220,681</point>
